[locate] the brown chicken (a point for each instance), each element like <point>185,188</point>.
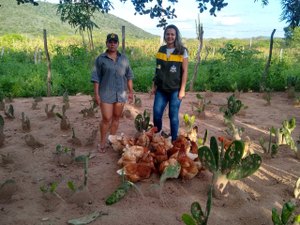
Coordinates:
<point>147,160</point>
<point>181,140</point>
<point>189,169</point>
<point>119,142</point>
<point>164,164</point>
<point>131,155</point>
<point>136,171</point>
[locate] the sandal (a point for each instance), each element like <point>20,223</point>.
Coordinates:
<point>101,149</point>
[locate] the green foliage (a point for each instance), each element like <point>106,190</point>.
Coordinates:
<point>271,148</point>
<point>229,163</point>
<point>286,216</point>
<point>72,63</point>
<point>119,193</point>
<point>51,188</point>
<point>141,121</point>
<point>171,171</point>
<point>199,217</point>
<point>234,105</point>
<point>189,120</point>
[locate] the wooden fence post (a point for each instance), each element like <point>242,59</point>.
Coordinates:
<point>123,39</point>
<point>48,64</point>
<point>199,28</point>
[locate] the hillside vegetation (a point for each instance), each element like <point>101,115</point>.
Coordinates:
<point>31,20</point>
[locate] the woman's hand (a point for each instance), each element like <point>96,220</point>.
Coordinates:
<point>130,97</point>
<point>181,94</point>
<point>97,99</point>
<point>153,90</point>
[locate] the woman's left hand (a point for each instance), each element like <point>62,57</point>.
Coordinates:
<point>130,97</point>
<point>181,94</point>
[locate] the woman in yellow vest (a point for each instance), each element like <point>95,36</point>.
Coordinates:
<point>170,79</point>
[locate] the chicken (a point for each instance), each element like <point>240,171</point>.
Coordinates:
<point>151,132</point>
<point>143,139</point>
<point>181,140</point>
<point>118,143</point>
<point>226,142</point>
<point>194,147</point>
<point>147,159</point>
<point>171,161</point>
<point>131,154</point>
<point>189,169</point>
<point>158,140</point>
<point>136,171</point>
<point>160,154</point>
<point>192,134</point>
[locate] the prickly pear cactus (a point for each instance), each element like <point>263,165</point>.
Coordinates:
<point>9,112</point>
<point>50,113</point>
<point>234,105</point>
<point>141,122</point>
<point>25,122</point>
<point>230,164</point>
<point>64,123</point>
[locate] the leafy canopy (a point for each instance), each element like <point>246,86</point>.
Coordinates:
<point>155,9</point>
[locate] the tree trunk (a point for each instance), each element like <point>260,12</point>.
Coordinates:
<point>48,64</point>
<point>90,34</point>
<point>267,67</point>
<point>198,57</point>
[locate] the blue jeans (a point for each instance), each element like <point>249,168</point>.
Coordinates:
<point>160,102</point>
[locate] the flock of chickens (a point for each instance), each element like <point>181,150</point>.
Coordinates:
<point>149,152</point>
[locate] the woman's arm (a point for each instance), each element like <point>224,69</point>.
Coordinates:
<point>184,78</point>
<point>96,92</point>
<point>130,91</point>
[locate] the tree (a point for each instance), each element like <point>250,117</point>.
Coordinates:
<point>154,10</point>
<point>79,14</point>
<point>290,14</point>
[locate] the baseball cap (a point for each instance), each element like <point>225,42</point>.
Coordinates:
<point>113,37</point>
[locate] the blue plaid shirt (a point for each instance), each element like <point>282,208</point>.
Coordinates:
<point>112,77</point>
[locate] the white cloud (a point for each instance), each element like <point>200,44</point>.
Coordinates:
<point>227,20</point>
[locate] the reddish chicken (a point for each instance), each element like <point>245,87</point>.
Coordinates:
<point>189,169</point>
<point>136,171</point>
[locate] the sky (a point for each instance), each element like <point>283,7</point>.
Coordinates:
<point>240,19</point>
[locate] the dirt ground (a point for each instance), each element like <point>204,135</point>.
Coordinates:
<point>249,201</point>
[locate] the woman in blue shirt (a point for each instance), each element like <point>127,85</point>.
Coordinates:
<point>112,78</point>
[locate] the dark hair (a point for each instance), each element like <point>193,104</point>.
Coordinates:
<point>178,40</point>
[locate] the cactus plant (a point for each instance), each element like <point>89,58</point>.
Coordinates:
<point>25,122</point>
<point>234,105</point>
<point>9,112</point>
<point>188,121</point>
<point>2,136</point>
<point>287,215</point>
<point>66,99</point>
<point>198,216</point>
<point>229,165</point>
<point>64,155</point>
<point>284,135</point>
<point>64,123</point>
<point>297,189</point>
<point>269,148</point>
<point>201,105</point>
<point>137,101</point>
<point>74,140</point>
<point>142,121</point>
<point>50,113</point>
